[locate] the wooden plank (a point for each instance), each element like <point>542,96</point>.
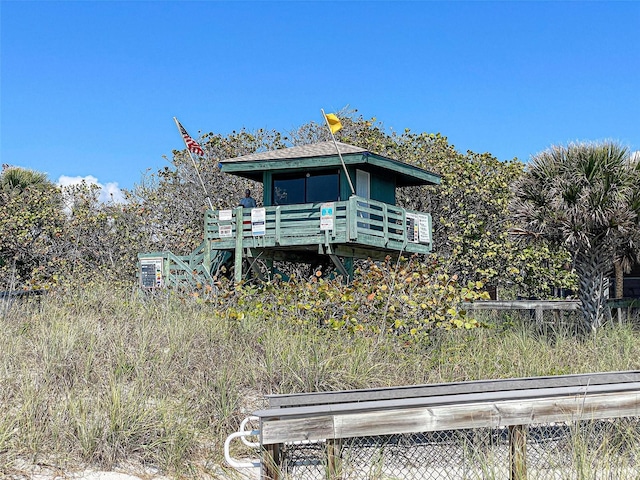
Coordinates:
<point>624,302</point>
<point>271,462</point>
<point>452,388</point>
<point>523,305</point>
<point>316,428</point>
<point>452,417</point>
<point>334,464</point>
<point>447,399</point>
<point>365,238</point>
<point>237,261</point>
<point>355,250</point>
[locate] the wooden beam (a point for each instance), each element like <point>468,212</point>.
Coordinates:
<point>452,388</point>
<point>401,417</point>
<point>341,268</point>
<point>518,452</point>
<point>334,464</point>
<point>271,462</point>
<point>523,305</point>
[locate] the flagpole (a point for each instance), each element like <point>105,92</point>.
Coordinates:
<point>194,164</point>
<point>353,192</point>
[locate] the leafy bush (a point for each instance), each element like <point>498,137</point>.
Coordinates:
<point>408,298</point>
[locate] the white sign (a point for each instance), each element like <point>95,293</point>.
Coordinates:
<point>418,228</point>
<point>151,272</point>
<point>258,224</point>
<point>423,229</point>
<point>225,231</point>
<point>326,216</point>
<point>224,215</point>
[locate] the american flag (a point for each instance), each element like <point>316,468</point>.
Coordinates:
<point>191,144</point>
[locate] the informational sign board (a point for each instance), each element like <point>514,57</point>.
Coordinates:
<point>225,215</point>
<point>424,235</point>
<point>413,228</point>
<point>225,231</point>
<point>151,272</point>
<point>258,222</point>
<point>327,212</point>
<point>418,228</point>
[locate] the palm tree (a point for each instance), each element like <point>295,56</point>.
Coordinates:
<point>582,196</point>
<point>628,253</point>
<point>21,178</point>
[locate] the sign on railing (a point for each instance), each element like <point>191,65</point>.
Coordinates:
<point>327,212</point>
<point>151,272</point>
<point>258,222</point>
<point>418,229</point>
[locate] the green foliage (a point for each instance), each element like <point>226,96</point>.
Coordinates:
<point>172,202</point>
<point>19,179</point>
<point>408,299</point>
<point>470,208</point>
<point>538,270</point>
<point>99,239</point>
<point>472,225</point>
<point>48,233</point>
<point>30,222</point>
<point>579,195</point>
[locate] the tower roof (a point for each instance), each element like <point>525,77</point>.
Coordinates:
<point>323,155</point>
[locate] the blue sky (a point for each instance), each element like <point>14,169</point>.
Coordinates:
<point>89,88</point>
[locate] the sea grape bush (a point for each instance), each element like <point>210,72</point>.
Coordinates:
<point>409,298</point>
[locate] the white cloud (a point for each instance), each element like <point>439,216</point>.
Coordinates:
<point>108,192</point>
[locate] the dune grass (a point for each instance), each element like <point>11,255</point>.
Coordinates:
<point>103,376</point>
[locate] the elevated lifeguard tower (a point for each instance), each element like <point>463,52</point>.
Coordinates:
<point>309,215</point>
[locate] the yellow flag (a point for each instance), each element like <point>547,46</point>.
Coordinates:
<point>334,122</point>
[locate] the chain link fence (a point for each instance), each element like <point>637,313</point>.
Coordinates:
<point>597,449</point>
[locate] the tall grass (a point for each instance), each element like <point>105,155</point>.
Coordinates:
<point>104,376</point>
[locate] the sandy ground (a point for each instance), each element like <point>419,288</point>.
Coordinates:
<point>49,473</point>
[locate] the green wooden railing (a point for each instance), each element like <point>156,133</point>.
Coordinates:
<point>357,221</point>
<point>188,271</point>
<point>356,228</point>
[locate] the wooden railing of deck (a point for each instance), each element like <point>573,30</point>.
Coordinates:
<point>356,221</point>
<point>361,228</point>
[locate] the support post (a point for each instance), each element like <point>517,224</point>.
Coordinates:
<point>237,263</point>
<point>271,462</point>
<point>539,316</point>
<point>334,467</point>
<point>339,266</point>
<point>518,452</point>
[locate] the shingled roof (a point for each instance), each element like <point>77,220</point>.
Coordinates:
<point>323,155</point>
<point>322,149</point>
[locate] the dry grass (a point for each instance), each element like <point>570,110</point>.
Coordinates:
<point>101,375</point>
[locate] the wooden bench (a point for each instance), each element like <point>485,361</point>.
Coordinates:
<point>512,403</point>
